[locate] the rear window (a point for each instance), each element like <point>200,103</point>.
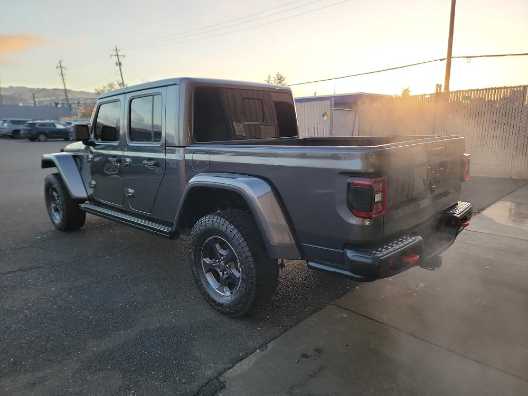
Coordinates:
<point>18,122</point>
<point>223,114</point>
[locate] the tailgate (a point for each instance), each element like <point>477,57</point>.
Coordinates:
<point>422,180</point>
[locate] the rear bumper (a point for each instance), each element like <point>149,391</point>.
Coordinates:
<point>404,252</point>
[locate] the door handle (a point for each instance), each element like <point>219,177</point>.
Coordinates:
<point>124,162</point>
<point>113,160</point>
<point>150,164</point>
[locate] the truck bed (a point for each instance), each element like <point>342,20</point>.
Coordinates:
<point>311,176</point>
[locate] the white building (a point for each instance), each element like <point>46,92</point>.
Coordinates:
<point>330,115</point>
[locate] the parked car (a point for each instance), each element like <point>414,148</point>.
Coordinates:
<point>44,130</point>
<point>222,161</point>
<point>11,127</point>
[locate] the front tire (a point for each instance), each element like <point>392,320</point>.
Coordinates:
<point>42,137</point>
<point>64,213</point>
<point>230,265</point>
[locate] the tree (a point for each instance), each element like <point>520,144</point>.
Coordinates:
<point>406,92</point>
<point>85,111</point>
<point>276,79</point>
<point>111,86</point>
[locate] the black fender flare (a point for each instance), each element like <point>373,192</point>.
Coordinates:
<point>263,203</point>
<point>69,171</point>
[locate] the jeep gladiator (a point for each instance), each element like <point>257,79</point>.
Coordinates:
<point>222,161</point>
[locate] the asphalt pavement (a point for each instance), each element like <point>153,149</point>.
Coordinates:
<point>113,310</point>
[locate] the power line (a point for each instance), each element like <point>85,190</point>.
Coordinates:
<point>60,67</point>
<point>220,33</point>
<point>409,65</point>
<point>273,21</point>
<point>491,55</point>
<point>119,64</point>
<point>286,7</point>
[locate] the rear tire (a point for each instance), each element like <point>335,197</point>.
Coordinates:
<point>238,237</point>
<point>64,213</point>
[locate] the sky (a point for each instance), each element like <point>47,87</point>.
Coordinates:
<point>249,39</point>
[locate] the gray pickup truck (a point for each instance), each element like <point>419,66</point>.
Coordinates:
<point>222,161</point>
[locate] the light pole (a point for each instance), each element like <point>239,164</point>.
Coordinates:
<point>449,47</point>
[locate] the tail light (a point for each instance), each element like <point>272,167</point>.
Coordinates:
<point>466,159</point>
<point>367,198</point>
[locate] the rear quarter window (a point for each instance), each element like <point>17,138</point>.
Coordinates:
<point>223,114</point>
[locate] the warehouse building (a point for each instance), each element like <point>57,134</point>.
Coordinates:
<point>330,115</point>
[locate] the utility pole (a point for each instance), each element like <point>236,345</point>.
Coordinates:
<point>1,98</point>
<point>61,68</point>
<point>449,46</point>
<point>119,64</point>
<point>34,99</point>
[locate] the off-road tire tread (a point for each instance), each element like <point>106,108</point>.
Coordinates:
<point>73,217</point>
<point>261,271</point>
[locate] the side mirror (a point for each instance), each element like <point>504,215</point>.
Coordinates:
<point>81,132</point>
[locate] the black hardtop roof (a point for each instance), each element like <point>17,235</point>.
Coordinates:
<point>194,81</point>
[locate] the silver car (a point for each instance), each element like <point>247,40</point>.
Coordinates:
<point>11,127</point>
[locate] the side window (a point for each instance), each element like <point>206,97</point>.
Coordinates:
<point>286,119</point>
<point>145,119</point>
<point>223,114</point>
<point>210,122</point>
<point>107,123</point>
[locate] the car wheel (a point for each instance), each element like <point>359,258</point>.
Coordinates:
<point>32,139</point>
<point>42,138</point>
<point>229,263</point>
<point>64,212</point>
<point>16,134</point>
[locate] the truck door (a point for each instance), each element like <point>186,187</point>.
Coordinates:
<point>107,155</point>
<point>145,149</point>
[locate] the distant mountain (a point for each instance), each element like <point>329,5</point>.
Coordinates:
<point>43,96</point>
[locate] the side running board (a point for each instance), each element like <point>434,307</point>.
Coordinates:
<point>134,221</point>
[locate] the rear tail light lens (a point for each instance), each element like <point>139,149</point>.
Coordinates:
<point>466,160</point>
<point>367,198</point>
